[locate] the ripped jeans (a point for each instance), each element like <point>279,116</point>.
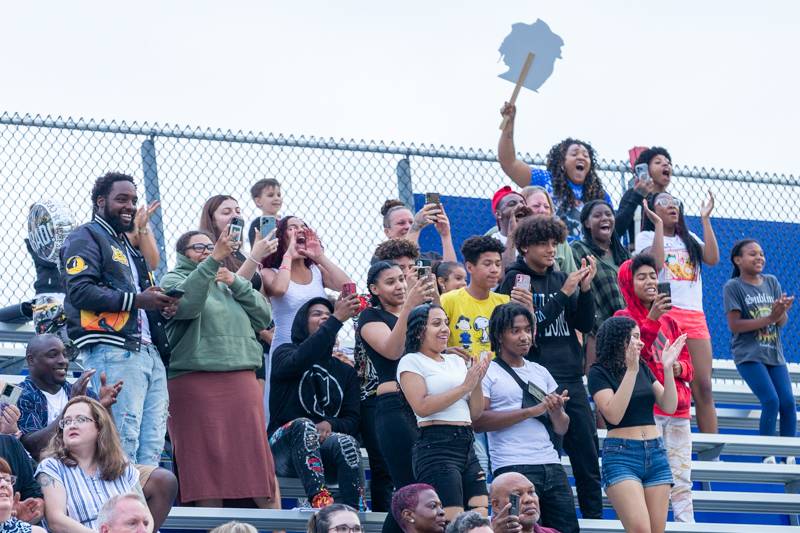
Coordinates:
<point>140,413</point>
<point>297,452</point>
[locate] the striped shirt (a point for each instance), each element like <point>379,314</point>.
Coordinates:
<point>86,494</point>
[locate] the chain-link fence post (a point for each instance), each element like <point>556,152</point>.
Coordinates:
<point>153,193</point>
<point>405,190</point>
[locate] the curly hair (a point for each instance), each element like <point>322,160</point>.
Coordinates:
<point>538,229</point>
<point>104,184</point>
<point>612,340</point>
<point>275,259</point>
<point>474,246</point>
<point>395,249</point>
<point>502,319</point>
<point>640,260</point>
<point>651,153</point>
<point>111,459</point>
<point>466,522</point>
<point>736,251</point>
<point>407,498</point>
<point>417,323</point>
<point>592,186</point>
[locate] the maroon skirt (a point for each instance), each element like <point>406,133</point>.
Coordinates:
<point>219,437</point>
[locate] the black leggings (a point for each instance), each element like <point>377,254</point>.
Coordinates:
<point>397,432</point>
<point>380,482</point>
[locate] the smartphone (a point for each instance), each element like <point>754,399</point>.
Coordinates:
<point>423,271</point>
<point>514,500</point>
<point>432,198</point>
<point>175,293</point>
<point>523,281</point>
<point>348,289</point>
<point>237,228</point>
<point>664,288</point>
<point>642,172</point>
<point>267,224</point>
<point>10,394</point>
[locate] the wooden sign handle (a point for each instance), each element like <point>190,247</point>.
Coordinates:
<point>522,75</point>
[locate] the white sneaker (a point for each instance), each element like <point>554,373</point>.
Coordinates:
<point>769,460</point>
<point>791,460</point>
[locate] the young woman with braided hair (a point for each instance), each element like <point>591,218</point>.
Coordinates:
<point>636,472</point>
<point>570,177</point>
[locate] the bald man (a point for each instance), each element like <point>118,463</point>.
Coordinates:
<point>502,522</point>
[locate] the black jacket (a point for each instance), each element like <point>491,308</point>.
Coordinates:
<point>308,382</point>
<point>100,300</point>
<point>557,317</point>
<point>624,219</point>
<point>48,278</point>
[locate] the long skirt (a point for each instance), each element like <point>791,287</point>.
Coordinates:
<point>219,436</point>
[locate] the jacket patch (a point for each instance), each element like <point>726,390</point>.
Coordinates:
<point>119,256</point>
<point>75,265</point>
<point>105,321</point>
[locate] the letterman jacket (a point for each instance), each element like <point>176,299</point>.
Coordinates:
<point>100,300</point>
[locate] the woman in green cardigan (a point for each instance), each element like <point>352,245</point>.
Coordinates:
<point>217,422</point>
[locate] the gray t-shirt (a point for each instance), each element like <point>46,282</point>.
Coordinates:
<point>755,301</point>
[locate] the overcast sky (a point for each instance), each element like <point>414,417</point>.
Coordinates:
<point>713,81</point>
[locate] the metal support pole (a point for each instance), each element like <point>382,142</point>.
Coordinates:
<point>405,191</point>
<point>152,193</point>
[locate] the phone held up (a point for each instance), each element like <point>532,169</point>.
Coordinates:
<point>664,288</point>
<point>267,224</point>
<point>513,498</point>
<point>9,394</point>
<point>522,281</point>
<point>433,198</point>
<point>348,289</point>
<point>237,229</point>
<point>423,268</point>
<point>642,172</point>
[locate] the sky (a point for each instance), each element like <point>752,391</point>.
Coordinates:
<point>713,81</point>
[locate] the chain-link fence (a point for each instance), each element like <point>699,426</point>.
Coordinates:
<point>338,188</point>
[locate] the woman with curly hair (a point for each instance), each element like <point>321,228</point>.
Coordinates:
<point>636,472</point>
<point>570,176</point>
<point>446,397</point>
<point>84,466</point>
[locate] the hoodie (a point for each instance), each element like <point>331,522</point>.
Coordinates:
<point>308,382</point>
<point>654,334</point>
<point>557,317</point>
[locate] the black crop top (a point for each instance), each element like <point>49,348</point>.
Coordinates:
<point>640,408</point>
<point>386,369</point>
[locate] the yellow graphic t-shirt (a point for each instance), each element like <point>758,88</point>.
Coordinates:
<point>469,319</point>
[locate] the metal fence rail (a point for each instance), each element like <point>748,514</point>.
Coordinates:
<point>337,187</point>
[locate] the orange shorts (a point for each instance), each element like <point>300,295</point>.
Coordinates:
<point>693,323</point>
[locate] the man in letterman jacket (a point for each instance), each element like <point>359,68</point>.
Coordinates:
<point>116,315</point>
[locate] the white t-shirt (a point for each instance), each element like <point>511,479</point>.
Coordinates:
<point>678,270</point>
<point>55,404</point>
<point>144,324</point>
<point>285,307</point>
<point>440,376</point>
<point>527,442</point>
<point>500,237</point>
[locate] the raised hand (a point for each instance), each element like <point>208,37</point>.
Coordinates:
<point>573,279</point>
<point>346,308</point>
<point>225,276</point>
<point>263,247</point>
<point>651,215</point>
<point>8,419</point>
<point>643,187</point>
<point>586,280</point>
<point>143,215</point>
<point>223,247</point>
<point>707,206</point>
<point>442,223</point>
<point>475,374</point>
<point>313,249</point>
<point>671,351</point>
<point>508,111</point>
<point>424,290</point>
<point>661,305</point>
<point>632,355</point>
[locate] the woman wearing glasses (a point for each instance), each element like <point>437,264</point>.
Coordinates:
<point>335,518</point>
<point>84,466</point>
<point>215,400</point>
<point>680,254</point>
<point>8,522</point>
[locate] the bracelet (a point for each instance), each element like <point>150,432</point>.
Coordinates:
<point>144,231</point>
<point>250,258</point>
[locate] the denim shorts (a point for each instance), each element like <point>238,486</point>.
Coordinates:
<point>644,461</point>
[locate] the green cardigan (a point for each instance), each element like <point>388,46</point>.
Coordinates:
<point>215,327</point>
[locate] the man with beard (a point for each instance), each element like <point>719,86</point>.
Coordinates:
<point>529,511</point>
<point>115,316</point>
<point>517,422</point>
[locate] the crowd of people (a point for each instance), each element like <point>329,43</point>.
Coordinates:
<point>465,384</point>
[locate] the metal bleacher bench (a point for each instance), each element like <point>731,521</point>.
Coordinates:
<point>726,369</point>
<point>197,518</point>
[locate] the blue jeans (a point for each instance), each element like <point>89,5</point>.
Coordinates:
<point>140,413</point>
<point>773,388</point>
<point>644,461</point>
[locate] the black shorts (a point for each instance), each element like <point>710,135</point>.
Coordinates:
<point>444,457</point>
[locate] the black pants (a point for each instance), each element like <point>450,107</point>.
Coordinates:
<point>555,495</point>
<point>297,452</point>
<point>397,432</point>
<point>444,457</point>
<point>380,482</point>
<point>581,445</point>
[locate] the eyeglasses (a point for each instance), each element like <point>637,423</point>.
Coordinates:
<point>8,479</point>
<point>343,528</point>
<point>78,421</point>
<point>200,248</point>
<point>668,201</point>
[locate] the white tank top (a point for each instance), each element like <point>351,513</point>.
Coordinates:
<point>284,308</point>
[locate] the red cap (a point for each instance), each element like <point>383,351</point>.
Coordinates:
<point>501,193</point>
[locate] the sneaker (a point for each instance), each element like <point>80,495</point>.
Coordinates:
<point>769,460</point>
<point>791,460</point>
